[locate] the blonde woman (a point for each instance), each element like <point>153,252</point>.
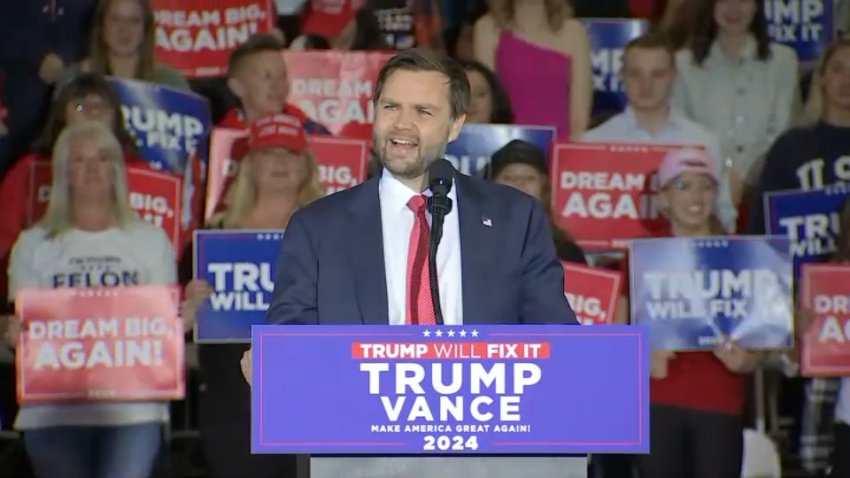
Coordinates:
<point>277,177</point>
<point>123,42</point>
<point>89,229</point>
<point>541,54</point>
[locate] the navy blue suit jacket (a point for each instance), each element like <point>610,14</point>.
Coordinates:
<point>331,265</point>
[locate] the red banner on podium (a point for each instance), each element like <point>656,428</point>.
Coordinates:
<point>112,344</point>
<point>826,342</point>
<point>155,196</point>
<point>604,194</point>
<point>197,36</point>
<point>592,293</point>
<point>335,88</point>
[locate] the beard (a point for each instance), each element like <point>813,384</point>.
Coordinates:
<point>409,166</point>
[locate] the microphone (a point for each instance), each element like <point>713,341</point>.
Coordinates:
<point>440,176</point>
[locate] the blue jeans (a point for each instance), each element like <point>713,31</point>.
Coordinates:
<point>94,452</point>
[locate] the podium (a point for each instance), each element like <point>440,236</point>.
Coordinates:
<point>414,401</point>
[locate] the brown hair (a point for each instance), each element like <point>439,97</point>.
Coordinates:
<point>557,11</point>
<point>419,59</point>
<point>258,43</point>
<point>81,86</point>
<point>705,31</point>
<point>99,51</point>
<point>813,110</point>
<point>656,40</point>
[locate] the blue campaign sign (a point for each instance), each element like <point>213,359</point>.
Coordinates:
<point>470,153</point>
<point>240,267</point>
<point>691,293</point>
<point>810,219</point>
<point>608,39</point>
<point>807,26</point>
<point>483,389</point>
<point>169,124</point>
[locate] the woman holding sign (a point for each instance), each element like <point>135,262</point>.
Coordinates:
<point>277,177</point>
<point>90,237</point>
<point>696,419</point>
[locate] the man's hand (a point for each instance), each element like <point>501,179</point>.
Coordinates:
<point>246,366</point>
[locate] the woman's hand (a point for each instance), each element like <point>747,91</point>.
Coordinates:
<point>737,359</point>
<point>659,361</point>
<point>196,292</point>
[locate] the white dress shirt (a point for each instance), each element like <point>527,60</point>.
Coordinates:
<point>397,222</point>
<point>842,406</point>
<point>624,127</point>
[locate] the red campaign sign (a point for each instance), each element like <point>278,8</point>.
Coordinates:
<point>342,162</point>
<point>109,344</point>
<point>604,194</point>
<point>155,196</point>
<point>826,343</point>
<point>593,293</point>
<point>335,88</point>
<point>227,146</point>
<point>197,36</point>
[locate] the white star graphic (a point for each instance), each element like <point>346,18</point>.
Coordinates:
<point>438,333</point>
<point>426,333</point>
<point>474,333</point>
<point>451,333</point>
<point>259,237</point>
<point>462,333</point>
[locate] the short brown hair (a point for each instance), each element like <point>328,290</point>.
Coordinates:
<point>419,59</point>
<point>258,43</point>
<point>652,41</point>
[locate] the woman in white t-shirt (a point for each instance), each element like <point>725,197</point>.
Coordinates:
<point>89,229</point>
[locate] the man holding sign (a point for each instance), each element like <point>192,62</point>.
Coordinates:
<point>360,256</point>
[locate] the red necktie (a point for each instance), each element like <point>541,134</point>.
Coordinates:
<point>420,309</point>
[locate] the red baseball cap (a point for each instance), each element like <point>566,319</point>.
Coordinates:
<point>277,131</point>
<point>327,18</point>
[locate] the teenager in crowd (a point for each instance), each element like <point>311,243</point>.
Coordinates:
<point>489,102</point>
<point>523,165</point>
<point>814,154</point>
<point>542,55</point>
<point>89,229</point>
<point>738,83</point>
<point>696,419</point>
<point>278,176</point>
<point>86,97</point>
<point>123,44</point>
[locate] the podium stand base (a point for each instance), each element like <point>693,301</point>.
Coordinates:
<point>448,467</point>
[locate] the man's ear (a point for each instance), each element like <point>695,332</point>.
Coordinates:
<point>236,87</point>
<point>456,126</point>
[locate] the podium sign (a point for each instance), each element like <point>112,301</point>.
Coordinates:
<point>465,390</point>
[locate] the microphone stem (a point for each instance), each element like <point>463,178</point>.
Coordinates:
<point>436,235</point>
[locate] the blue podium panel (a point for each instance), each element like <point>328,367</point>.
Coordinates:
<point>466,390</point>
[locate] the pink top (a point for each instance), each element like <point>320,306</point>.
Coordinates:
<point>537,80</point>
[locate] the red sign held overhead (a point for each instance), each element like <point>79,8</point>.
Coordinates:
<point>122,343</point>
<point>826,341</point>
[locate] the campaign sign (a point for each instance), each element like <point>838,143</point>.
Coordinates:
<point>810,219</point>
<point>342,162</point>
<point>472,389</point>
<point>608,38</point>
<point>155,196</point>
<point>240,267</point>
<point>169,124</point>
<point>604,194</point>
<point>471,152</point>
<point>592,292</point>
<point>227,147</point>
<point>197,36</point>
<point>335,88</point>
<point>117,343</point>
<point>826,342</point>
<point>693,293</point>
<point>807,26</point>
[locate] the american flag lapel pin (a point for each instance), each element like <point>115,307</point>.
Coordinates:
<point>486,221</point>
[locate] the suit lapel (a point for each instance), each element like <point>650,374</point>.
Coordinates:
<point>474,243</point>
<point>366,252</point>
